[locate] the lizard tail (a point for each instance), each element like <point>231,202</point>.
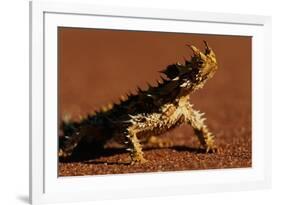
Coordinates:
<point>70,139</point>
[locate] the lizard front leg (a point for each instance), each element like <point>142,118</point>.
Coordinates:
<point>135,146</point>
<point>206,138</point>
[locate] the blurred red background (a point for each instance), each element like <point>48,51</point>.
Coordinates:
<point>97,66</point>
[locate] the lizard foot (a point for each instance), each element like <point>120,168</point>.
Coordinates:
<point>138,159</point>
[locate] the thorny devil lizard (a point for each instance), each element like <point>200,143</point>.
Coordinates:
<point>150,112</point>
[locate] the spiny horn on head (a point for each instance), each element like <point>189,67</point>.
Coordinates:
<point>206,44</point>
<point>207,48</point>
<point>194,49</point>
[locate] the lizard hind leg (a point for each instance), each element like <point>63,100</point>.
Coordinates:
<point>135,147</point>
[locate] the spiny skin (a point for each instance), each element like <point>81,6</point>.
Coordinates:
<point>149,113</point>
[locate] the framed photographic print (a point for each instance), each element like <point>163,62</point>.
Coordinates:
<point>129,102</point>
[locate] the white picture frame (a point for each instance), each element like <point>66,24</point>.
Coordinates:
<point>45,186</point>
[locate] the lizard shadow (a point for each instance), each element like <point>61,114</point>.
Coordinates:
<point>89,156</point>
<point>182,148</point>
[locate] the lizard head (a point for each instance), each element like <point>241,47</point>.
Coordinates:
<point>195,72</point>
<point>205,62</point>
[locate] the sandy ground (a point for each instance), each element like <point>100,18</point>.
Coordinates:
<point>97,66</point>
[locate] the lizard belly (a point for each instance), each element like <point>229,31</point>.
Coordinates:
<point>159,123</point>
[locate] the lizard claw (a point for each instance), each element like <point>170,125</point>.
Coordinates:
<point>138,159</point>
<point>212,149</point>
